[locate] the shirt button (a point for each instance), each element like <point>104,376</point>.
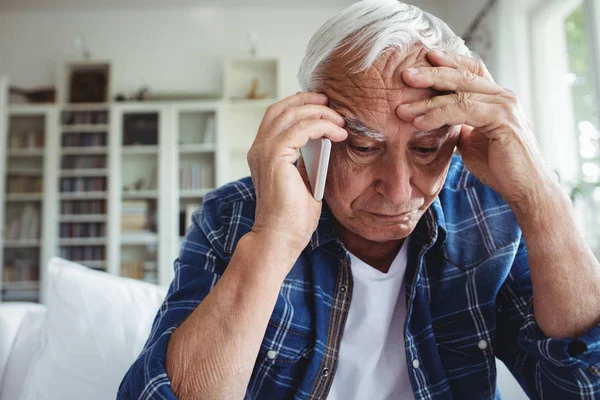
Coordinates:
<point>325,372</point>
<point>271,354</point>
<point>343,289</point>
<point>415,363</point>
<point>482,344</point>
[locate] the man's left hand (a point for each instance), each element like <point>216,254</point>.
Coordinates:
<point>496,142</point>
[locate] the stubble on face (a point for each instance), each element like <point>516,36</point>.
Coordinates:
<point>354,190</point>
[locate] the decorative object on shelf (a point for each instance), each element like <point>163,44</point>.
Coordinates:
<point>84,82</point>
<point>253,92</point>
<point>38,95</point>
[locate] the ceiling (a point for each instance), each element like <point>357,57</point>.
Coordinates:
<point>48,5</point>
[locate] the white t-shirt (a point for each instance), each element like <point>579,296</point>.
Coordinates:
<point>372,359</point>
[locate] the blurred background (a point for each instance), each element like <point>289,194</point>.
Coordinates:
<point>117,117</point>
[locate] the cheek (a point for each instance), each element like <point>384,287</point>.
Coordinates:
<point>345,179</point>
<point>431,177</point>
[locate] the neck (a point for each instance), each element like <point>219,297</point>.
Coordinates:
<point>379,255</point>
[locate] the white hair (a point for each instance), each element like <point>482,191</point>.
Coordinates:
<point>369,28</point>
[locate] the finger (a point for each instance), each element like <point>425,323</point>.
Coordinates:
<point>449,79</point>
<point>298,99</point>
<point>293,115</point>
<point>474,65</point>
<point>308,129</point>
<point>476,115</point>
<point>410,111</point>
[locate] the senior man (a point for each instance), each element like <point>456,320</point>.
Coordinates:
<point>418,268</point>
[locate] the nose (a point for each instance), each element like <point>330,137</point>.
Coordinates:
<point>393,182</point>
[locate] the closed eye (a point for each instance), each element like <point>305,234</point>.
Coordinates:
<point>426,150</point>
<point>361,149</point>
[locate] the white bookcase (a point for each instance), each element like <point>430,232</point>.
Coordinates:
<point>119,181</point>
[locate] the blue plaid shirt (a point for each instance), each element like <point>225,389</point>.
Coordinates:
<point>468,295</point>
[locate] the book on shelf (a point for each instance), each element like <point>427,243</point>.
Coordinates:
<point>133,269</point>
<point>195,176</point>
<point>84,139</point>
<point>76,207</point>
<point>185,217</point>
<point>134,215</point>
<point>26,140</point>
<point>20,270</point>
<point>71,230</point>
<point>68,185</point>
<point>24,225</point>
<point>83,253</point>
<point>23,184</point>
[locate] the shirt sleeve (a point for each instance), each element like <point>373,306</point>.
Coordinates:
<point>547,368</point>
<point>197,270</point>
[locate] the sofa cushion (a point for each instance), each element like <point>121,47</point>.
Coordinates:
<point>27,344</point>
<point>12,316</point>
<point>96,325</point>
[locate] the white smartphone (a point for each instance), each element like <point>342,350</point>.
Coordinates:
<point>316,159</point>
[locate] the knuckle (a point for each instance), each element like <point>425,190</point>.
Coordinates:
<point>479,67</point>
<point>468,76</point>
<point>461,97</point>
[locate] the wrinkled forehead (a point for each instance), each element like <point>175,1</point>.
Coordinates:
<point>379,88</point>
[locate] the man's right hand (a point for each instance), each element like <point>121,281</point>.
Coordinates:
<point>286,211</point>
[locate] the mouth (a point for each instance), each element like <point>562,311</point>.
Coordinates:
<point>394,217</point>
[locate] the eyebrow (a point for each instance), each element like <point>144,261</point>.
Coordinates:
<point>358,127</point>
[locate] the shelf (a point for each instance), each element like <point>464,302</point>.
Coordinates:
<point>139,238</point>
<point>93,264</point>
<point>95,241</point>
<point>140,194</point>
<point>25,171</point>
<point>83,218</point>
<point>22,243</point>
<point>249,104</point>
<point>82,195</point>
<point>86,107</point>
<point>140,150</point>
<point>21,285</point>
<point>24,197</point>
<point>34,152</point>
<point>83,172</point>
<point>191,193</point>
<point>84,150</point>
<point>197,148</point>
<point>84,128</point>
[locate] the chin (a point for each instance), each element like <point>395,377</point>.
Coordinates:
<point>385,233</point>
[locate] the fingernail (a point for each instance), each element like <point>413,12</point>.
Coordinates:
<point>404,105</point>
<point>413,71</point>
<point>419,119</point>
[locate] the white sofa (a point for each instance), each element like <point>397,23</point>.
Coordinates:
<point>81,344</point>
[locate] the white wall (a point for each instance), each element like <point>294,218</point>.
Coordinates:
<point>176,50</point>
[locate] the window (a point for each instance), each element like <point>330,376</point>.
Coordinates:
<point>565,73</point>
<point>586,117</point>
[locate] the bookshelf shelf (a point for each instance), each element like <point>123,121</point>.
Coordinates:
<point>21,285</point>
<point>33,152</point>
<point>140,194</point>
<point>25,171</point>
<point>84,128</point>
<point>83,218</point>
<point>186,194</point>
<point>86,107</point>
<point>22,243</point>
<point>83,195</point>
<point>84,172</point>
<point>138,238</point>
<point>100,241</point>
<point>18,197</point>
<point>140,149</point>
<point>94,264</point>
<point>77,150</point>
<point>197,148</point>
